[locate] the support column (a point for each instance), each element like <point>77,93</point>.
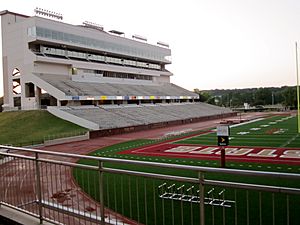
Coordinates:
<point>38,94</point>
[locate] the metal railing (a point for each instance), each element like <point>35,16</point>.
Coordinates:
<point>48,138</point>
<point>65,135</point>
<point>53,187</point>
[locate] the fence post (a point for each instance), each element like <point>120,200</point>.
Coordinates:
<point>201,197</point>
<point>38,187</point>
<point>101,190</point>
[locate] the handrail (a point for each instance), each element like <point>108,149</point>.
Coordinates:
<point>154,164</point>
<point>40,171</point>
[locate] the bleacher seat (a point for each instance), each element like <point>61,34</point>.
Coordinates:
<point>115,116</point>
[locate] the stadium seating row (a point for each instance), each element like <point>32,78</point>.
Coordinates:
<point>71,88</point>
<point>122,116</point>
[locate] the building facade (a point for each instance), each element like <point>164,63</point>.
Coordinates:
<point>51,63</point>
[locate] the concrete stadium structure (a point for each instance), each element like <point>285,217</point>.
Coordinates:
<point>55,65</point>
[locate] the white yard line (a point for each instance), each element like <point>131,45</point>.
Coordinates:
<point>251,121</point>
<point>290,140</point>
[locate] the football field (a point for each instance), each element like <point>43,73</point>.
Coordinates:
<point>272,140</point>
<point>276,131</point>
<point>266,144</point>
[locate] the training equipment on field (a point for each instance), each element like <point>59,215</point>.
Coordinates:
<point>190,194</point>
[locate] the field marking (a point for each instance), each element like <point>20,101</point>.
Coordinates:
<point>264,125</point>
<point>290,140</point>
<point>243,133</point>
<point>217,157</point>
<point>158,150</point>
<point>244,123</point>
<point>192,136</point>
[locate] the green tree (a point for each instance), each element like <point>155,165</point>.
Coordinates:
<point>290,97</point>
<point>204,96</point>
<point>247,97</point>
<point>263,96</point>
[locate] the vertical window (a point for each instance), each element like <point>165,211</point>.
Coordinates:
<point>29,90</point>
<point>74,71</point>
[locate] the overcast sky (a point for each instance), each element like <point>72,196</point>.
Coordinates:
<point>215,43</point>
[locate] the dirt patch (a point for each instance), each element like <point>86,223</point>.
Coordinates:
<point>272,131</point>
<point>63,196</point>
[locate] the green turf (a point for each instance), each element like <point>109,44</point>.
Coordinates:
<point>137,198</point>
<point>31,127</point>
<point>265,137</point>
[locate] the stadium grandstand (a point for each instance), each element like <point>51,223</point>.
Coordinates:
<point>98,79</point>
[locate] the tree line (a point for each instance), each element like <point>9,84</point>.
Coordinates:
<point>286,96</point>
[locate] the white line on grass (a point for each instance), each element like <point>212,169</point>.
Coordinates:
<point>251,121</point>
<point>290,140</point>
<point>264,125</point>
<point>255,128</point>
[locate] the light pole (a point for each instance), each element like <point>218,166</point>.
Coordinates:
<point>298,108</point>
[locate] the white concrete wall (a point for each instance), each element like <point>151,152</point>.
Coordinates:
<point>16,55</point>
<point>58,69</point>
<point>29,103</point>
<point>97,79</point>
<point>162,79</point>
<point>67,140</point>
<point>73,119</point>
<point>46,86</point>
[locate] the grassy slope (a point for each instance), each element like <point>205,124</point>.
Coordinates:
<point>32,126</point>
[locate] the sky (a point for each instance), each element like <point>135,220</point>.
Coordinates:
<point>216,44</point>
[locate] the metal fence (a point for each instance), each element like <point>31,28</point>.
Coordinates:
<point>53,187</point>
